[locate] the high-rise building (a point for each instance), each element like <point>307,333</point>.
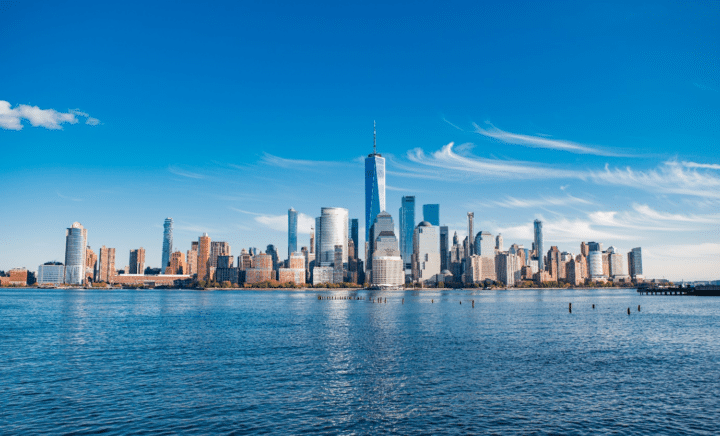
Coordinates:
<point>106,265</point>
<point>167,244</point>
<point>331,230</point>
<point>218,248</point>
<point>595,265</point>
<point>635,266</point>
<point>383,222</point>
<point>137,262</point>
<point>595,246</point>
<point>374,186</point>
<point>90,264</point>
<point>354,234</point>
<point>426,253</point>
<point>51,272</point>
<point>203,258</point>
<point>538,233</point>
<point>499,242</point>
<point>271,251</point>
<point>431,214</point>
<point>292,231</point>
<point>471,231</point>
<point>484,244</point>
<point>192,258</point>
<point>75,244</point>
<point>407,229</point>
<point>387,264</point>
<point>177,263</point>
<point>444,248</point>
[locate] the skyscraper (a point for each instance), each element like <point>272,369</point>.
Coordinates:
<point>426,253</point>
<point>292,231</point>
<point>203,257</point>
<point>431,214</point>
<point>469,247</point>
<point>539,245</point>
<point>444,248</point>
<point>331,230</point>
<point>484,244</point>
<point>499,242</point>
<point>407,229</point>
<point>75,243</point>
<point>137,262</point>
<point>374,186</point>
<point>167,244</point>
<point>106,265</point>
<point>635,266</point>
<point>354,234</point>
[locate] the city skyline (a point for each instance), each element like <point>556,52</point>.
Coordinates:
<point>626,154</point>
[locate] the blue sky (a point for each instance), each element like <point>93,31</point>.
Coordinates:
<point>602,119</point>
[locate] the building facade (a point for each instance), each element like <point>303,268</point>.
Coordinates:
<point>106,265</point>
<point>75,244</point>
<point>426,253</point>
<point>137,262</point>
<point>331,229</point>
<point>292,231</point>
<point>538,239</point>
<point>406,229</point>
<point>51,273</point>
<point>203,257</point>
<point>374,186</point>
<point>167,243</point>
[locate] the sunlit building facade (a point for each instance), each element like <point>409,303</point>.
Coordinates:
<point>75,244</point>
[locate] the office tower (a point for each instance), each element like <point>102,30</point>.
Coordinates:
<point>553,262</point>
<point>426,253</point>
<point>508,268</point>
<point>137,262</point>
<point>635,266</point>
<point>271,251</point>
<point>203,258</point>
<point>90,264</point>
<point>106,265</point>
<point>354,234</point>
<point>218,248</point>
<point>574,271</point>
<point>407,229</point>
<point>338,269</point>
<point>192,258</point>
<point>484,244</point>
<point>538,233</point>
<point>595,246</point>
<point>616,264</point>
<point>387,264</point>
<point>431,214</point>
<point>292,231</point>
<point>584,249</point>
<point>332,229</point>
<point>499,242</point>
<point>374,186</point>
<point>595,265</point>
<point>75,243</point>
<point>444,248</point>
<point>51,273</point>
<point>471,231</point>
<point>167,244</point>
<point>383,222</point>
<point>224,261</point>
<point>312,239</point>
<point>177,263</point>
<point>244,260</point>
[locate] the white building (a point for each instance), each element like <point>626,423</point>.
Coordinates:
<point>426,253</point>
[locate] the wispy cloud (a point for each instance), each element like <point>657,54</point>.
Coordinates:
<point>11,118</point>
<point>699,165</point>
<point>522,203</point>
<point>541,142</point>
<point>280,222</point>
<point>64,197</point>
<point>294,163</point>
<point>671,177</point>
<point>180,172</point>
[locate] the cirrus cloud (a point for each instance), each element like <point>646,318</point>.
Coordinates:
<point>11,118</point>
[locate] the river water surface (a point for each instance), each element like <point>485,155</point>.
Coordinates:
<point>284,362</point>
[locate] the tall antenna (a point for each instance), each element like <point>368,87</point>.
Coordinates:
<point>374,141</point>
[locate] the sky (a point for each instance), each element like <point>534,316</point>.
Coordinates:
<point>600,118</point>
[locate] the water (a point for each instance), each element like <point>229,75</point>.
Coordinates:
<point>254,362</point>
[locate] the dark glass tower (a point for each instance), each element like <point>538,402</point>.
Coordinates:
<point>374,187</point>
<point>292,231</point>
<point>167,244</point>
<point>407,228</point>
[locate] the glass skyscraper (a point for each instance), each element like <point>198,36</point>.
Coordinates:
<point>292,231</point>
<point>167,244</point>
<point>75,243</point>
<point>374,187</point>
<point>407,229</point>
<point>431,214</point>
<point>331,229</point>
<point>539,245</point>
<point>354,233</point>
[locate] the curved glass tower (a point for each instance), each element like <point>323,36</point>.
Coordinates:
<point>292,231</point>
<point>75,243</point>
<point>539,245</point>
<point>167,244</point>
<point>374,187</point>
<point>331,229</point>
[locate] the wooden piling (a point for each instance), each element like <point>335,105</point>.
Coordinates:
<point>473,304</point>
<point>593,306</point>
<point>403,302</point>
<point>628,311</point>
<point>570,308</point>
<point>638,308</point>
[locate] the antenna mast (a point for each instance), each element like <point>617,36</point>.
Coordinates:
<point>374,141</point>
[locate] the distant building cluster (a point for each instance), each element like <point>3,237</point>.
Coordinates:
<point>422,253</point>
